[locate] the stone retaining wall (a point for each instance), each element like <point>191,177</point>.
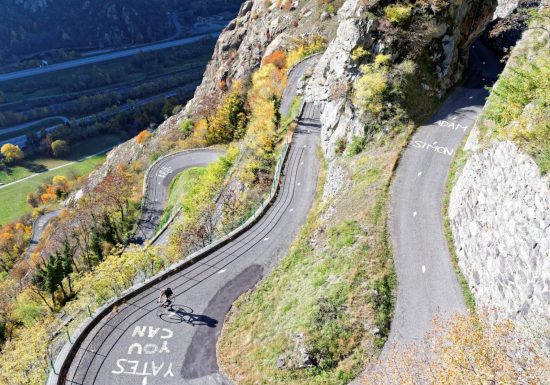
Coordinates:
<point>500,219</point>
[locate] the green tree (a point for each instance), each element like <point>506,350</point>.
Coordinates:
<point>50,275</point>
<point>48,278</point>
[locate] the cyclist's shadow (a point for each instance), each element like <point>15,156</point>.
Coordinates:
<point>184,314</point>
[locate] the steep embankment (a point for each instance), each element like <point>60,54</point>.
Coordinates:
<point>500,205</point>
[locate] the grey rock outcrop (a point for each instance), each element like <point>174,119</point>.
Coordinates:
<point>336,71</point>
<point>500,218</point>
<point>258,30</point>
<point>505,8</point>
<point>334,75</point>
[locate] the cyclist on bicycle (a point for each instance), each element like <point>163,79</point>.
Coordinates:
<point>165,298</point>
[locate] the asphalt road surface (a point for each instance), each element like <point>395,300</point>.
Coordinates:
<point>427,283</point>
<point>103,57</point>
<point>159,178</point>
<point>21,127</point>
<point>38,228</point>
<point>294,78</point>
<point>137,345</point>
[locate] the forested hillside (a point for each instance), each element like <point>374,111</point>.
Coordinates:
<point>31,26</point>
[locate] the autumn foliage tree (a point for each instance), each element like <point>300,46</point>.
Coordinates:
<point>14,238</point>
<point>277,58</point>
<point>142,136</point>
<point>229,121</point>
<point>11,153</point>
<point>469,350</point>
<point>59,148</point>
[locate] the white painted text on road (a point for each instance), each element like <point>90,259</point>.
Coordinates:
<point>426,146</point>
<point>451,125</point>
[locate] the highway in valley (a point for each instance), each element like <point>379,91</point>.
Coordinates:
<point>427,283</point>
<point>104,57</point>
<point>135,344</point>
<point>21,140</point>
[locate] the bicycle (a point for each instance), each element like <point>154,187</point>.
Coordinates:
<point>165,307</point>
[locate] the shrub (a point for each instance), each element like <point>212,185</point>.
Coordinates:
<point>340,145</point>
<point>398,14</point>
<point>359,54</point>
<point>357,145</point>
<point>277,58</point>
<point>186,127</point>
<point>467,349</point>
<point>306,47</point>
<point>370,89</point>
<point>59,148</point>
<point>142,136</point>
<point>381,59</point>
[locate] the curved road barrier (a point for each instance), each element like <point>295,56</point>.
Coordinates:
<point>157,181</point>
<point>427,283</point>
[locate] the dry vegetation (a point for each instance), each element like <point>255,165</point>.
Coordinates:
<point>469,350</point>
<point>519,104</point>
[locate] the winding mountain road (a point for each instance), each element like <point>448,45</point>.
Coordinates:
<point>135,345</point>
<point>38,228</point>
<point>157,184</point>
<point>427,283</point>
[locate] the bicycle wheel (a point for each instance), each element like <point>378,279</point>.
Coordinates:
<point>161,310</point>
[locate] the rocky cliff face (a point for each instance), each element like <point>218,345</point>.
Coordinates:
<point>450,34</point>
<point>259,29</point>
<point>500,217</point>
<point>262,27</point>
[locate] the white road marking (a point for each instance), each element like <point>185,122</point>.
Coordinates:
<point>452,125</point>
<point>299,183</point>
<point>434,143</point>
<point>144,381</point>
<point>423,269</point>
<point>439,149</point>
<point>222,271</point>
<point>414,214</point>
<point>471,97</point>
<point>420,173</point>
<point>291,210</point>
<point>266,239</point>
<point>301,164</point>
